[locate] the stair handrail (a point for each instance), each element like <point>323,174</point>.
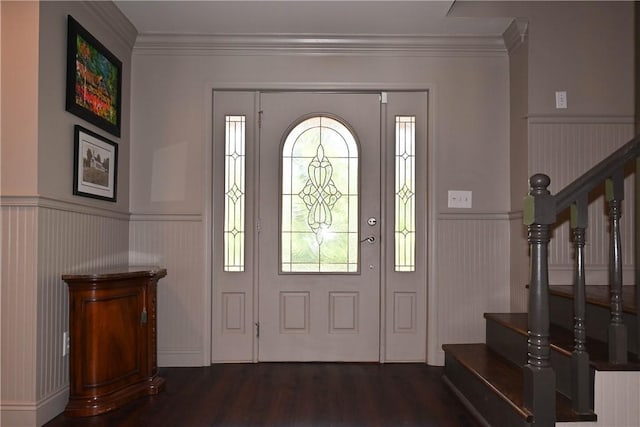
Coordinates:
<point>597,174</point>
<point>541,209</point>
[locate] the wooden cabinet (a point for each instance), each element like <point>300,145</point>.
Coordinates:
<point>112,331</point>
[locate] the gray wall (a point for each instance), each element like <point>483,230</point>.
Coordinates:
<point>46,231</point>
<point>584,47</point>
<point>476,144</point>
<point>171,151</point>
<point>55,138</point>
<point>587,50</point>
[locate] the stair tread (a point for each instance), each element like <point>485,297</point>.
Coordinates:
<point>506,379</point>
<point>599,295</point>
<point>562,340</point>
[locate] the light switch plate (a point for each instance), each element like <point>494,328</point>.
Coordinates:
<point>459,199</point>
<point>561,99</point>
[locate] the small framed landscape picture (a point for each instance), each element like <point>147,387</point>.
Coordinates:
<point>94,80</point>
<point>95,162</point>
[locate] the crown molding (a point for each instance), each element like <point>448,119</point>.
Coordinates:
<point>248,44</point>
<point>516,34</point>
<point>115,20</point>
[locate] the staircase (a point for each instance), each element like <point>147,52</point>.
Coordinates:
<point>538,368</point>
<point>489,377</point>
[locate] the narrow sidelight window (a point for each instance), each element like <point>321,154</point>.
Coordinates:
<point>319,206</point>
<point>405,194</point>
<point>234,193</point>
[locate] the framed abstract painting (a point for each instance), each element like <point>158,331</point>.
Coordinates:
<point>94,80</point>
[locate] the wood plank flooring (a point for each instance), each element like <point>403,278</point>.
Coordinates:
<point>292,394</point>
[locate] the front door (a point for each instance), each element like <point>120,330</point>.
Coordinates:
<point>319,227</point>
<point>312,259</point>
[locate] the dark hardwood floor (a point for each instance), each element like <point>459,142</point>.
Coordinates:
<point>292,394</point>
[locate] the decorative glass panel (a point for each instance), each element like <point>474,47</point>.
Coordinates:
<point>234,193</point>
<point>319,198</point>
<point>405,194</point>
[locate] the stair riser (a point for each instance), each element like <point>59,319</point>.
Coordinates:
<point>492,408</point>
<point>513,346</point>
<point>596,322</point>
<point>506,342</point>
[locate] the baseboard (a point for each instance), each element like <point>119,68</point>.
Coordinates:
<point>180,359</point>
<point>18,415</point>
<point>29,414</point>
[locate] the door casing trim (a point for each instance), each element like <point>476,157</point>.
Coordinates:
<point>433,353</point>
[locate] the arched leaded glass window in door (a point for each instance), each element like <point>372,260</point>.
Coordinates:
<point>319,207</point>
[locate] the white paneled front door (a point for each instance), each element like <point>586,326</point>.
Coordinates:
<point>319,219</point>
<point>319,273</point>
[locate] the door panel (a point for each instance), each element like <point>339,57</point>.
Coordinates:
<point>405,293</point>
<point>233,317</point>
<point>313,316</point>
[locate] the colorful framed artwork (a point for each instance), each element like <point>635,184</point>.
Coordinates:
<point>94,80</point>
<point>95,161</point>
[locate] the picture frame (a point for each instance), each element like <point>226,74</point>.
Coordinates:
<point>95,165</point>
<point>94,80</point>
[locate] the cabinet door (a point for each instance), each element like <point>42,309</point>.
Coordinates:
<point>112,352</point>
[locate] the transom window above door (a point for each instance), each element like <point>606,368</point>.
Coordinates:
<point>319,200</point>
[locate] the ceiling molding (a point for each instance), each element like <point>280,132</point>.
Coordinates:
<point>115,20</point>
<point>516,34</point>
<point>246,44</point>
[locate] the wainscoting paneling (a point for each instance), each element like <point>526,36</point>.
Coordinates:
<point>177,244</point>
<point>564,151</point>
<point>41,240</point>
<point>473,274</point>
<point>616,400</point>
<point>19,305</point>
<point>68,242</point>
<point>519,263</point>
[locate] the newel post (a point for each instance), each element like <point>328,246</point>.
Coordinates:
<point>539,377</point>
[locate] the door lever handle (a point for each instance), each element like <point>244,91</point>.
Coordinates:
<point>369,239</point>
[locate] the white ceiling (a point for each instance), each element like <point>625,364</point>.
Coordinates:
<point>311,17</point>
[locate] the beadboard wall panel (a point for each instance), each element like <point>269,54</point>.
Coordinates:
<point>69,242</point>
<point>19,307</point>
<point>615,400</point>
<point>564,151</point>
<point>175,242</point>
<point>472,274</point>
<point>519,271</point>
<point>41,240</point>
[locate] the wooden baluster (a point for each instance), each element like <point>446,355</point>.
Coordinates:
<point>539,377</point>
<point>580,378</point>
<point>636,223</point>
<point>617,328</point>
